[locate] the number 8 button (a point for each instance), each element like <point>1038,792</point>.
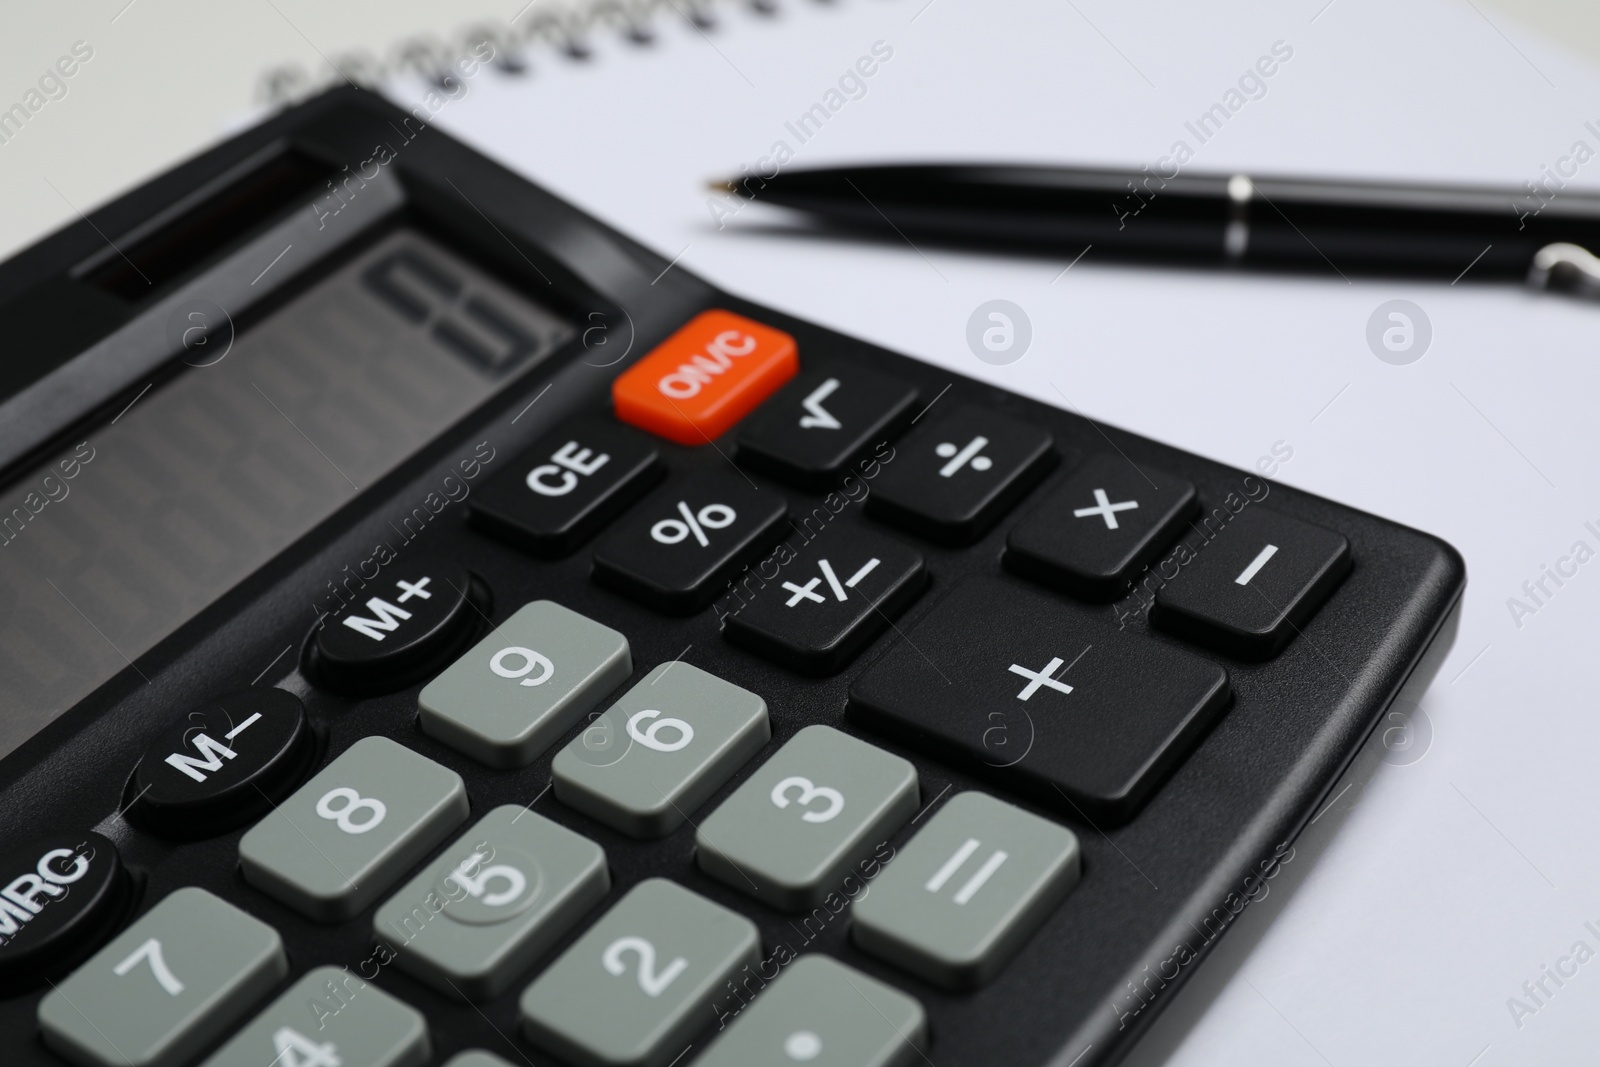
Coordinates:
<point>338,842</point>
<point>793,831</point>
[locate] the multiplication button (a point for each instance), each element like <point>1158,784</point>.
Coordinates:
<point>478,916</point>
<point>820,1011</point>
<point>167,986</point>
<point>343,837</point>
<point>359,1026</point>
<point>661,750</point>
<point>796,827</point>
<point>965,894</point>
<point>634,988</point>
<point>524,685</point>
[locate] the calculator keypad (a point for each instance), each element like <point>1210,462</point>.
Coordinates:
<point>60,892</point>
<point>661,750</point>
<point>569,484</point>
<point>958,471</point>
<point>330,1017</point>
<point>635,985</point>
<point>1091,535</point>
<point>822,804</point>
<point>513,693</point>
<point>824,420</point>
<point>344,837</point>
<point>821,1011</point>
<point>472,921</point>
<point>165,987</point>
<point>828,601</point>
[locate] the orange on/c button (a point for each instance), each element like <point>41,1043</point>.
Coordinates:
<point>700,381</point>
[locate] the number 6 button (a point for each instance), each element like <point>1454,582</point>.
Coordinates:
<point>634,988</point>
<point>791,833</point>
<point>174,981</point>
<point>344,836</point>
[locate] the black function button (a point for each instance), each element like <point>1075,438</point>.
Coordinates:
<point>563,489</point>
<point>223,764</point>
<point>679,547</point>
<point>59,896</point>
<point>955,474</point>
<point>1251,588</point>
<point>1042,697</point>
<point>398,627</point>
<point>1105,522</point>
<point>822,421</point>
<point>821,606</point>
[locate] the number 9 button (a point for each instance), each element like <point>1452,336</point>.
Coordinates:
<point>795,828</point>
<point>344,836</point>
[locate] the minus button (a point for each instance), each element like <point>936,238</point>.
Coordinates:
<point>1256,565</point>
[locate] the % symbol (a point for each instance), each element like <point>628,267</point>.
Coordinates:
<point>967,454</point>
<point>710,517</point>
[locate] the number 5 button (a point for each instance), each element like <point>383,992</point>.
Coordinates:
<point>795,828</point>
<point>634,988</point>
<point>344,836</point>
<point>174,981</point>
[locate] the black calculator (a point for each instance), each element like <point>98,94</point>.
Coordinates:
<point>438,630</point>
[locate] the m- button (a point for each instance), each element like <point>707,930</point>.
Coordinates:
<point>700,381</point>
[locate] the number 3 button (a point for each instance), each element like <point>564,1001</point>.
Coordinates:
<point>344,836</point>
<point>792,832</point>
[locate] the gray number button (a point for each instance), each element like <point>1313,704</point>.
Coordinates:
<point>172,982</point>
<point>330,1018</point>
<point>794,829</point>
<point>661,750</point>
<point>480,914</point>
<point>967,891</point>
<point>476,1058</point>
<point>347,834</point>
<point>526,684</point>
<point>820,1011</point>
<point>634,988</point>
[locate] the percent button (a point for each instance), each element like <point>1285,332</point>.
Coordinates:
<point>679,549</point>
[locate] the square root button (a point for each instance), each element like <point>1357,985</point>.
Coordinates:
<point>524,685</point>
<point>965,894</point>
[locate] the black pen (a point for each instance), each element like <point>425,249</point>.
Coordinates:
<point>1445,232</point>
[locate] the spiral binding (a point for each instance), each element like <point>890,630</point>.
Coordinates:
<point>566,31</point>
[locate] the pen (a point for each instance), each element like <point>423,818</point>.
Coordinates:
<point>1443,231</point>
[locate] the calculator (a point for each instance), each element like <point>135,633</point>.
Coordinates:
<point>439,630</point>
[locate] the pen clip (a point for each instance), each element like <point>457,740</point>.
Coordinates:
<point>1566,268</point>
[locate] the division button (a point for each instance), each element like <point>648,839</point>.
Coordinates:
<point>829,602</point>
<point>820,1011</point>
<point>967,891</point>
<point>677,549</point>
<point>181,976</point>
<point>1254,585</point>
<point>59,894</point>
<point>1099,527</point>
<point>824,420</point>
<point>634,988</point>
<point>1042,697</point>
<point>562,490</point>
<point>791,833</point>
<point>223,763</point>
<point>480,914</point>
<point>955,474</point>
<point>344,837</point>
<point>697,383</point>
<point>524,685</point>
<point>359,1025</point>
<point>397,628</point>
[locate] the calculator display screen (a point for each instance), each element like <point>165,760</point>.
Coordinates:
<point>116,542</point>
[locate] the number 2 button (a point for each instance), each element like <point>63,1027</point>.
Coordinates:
<point>791,834</point>
<point>633,989</point>
<point>344,836</point>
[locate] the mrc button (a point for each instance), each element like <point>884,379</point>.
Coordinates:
<point>58,895</point>
<point>398,627</point>
<point>710,374</point>
<point>223,763</point>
